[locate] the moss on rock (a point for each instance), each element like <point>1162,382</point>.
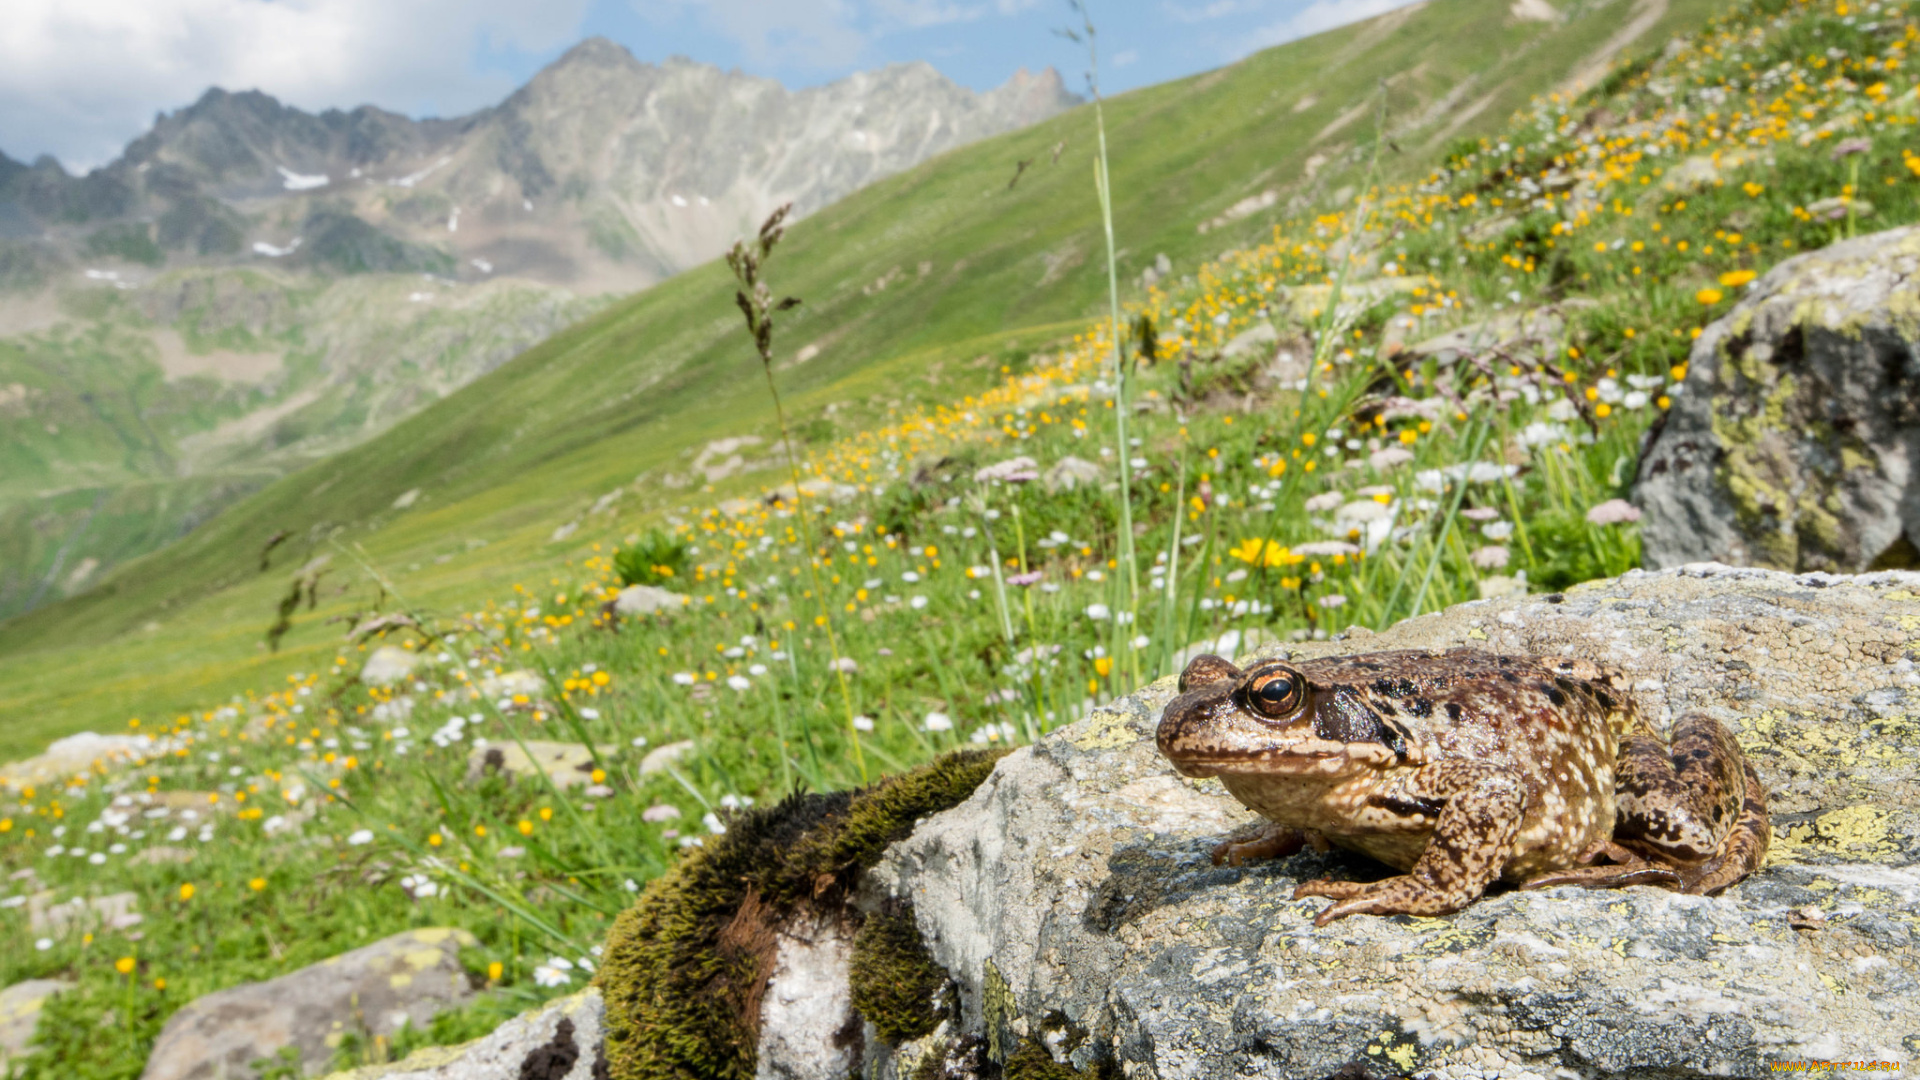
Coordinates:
<point>685,966</point>
<point>895,979</point>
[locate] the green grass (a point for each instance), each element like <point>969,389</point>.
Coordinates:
<point>626,393</point>
<point>975,612</point>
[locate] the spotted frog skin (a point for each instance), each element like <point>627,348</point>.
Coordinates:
<point>1463,767</point>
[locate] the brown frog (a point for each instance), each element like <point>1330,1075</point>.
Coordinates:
<point>1463,767</point>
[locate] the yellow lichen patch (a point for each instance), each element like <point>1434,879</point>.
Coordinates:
<point>1105,731</point>
<point>400,981</point>
<point>1854,832</point>
<point>422,959</point>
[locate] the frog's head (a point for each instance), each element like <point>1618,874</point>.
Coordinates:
<point>1270,720</point>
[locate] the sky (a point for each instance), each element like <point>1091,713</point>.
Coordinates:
<point>79,79</point>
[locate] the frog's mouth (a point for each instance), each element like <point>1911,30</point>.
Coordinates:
<point>1332,761</point>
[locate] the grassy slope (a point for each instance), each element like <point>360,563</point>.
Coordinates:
<point>527,447</point>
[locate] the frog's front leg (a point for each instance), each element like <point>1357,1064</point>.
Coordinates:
<point>1699,808</point>
<point>1273,841</point>
<point>1481,809</point>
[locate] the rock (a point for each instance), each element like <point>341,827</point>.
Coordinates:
<point>405,978</point>
<point>75,755</point>
<point>561,1040</point>
<point>406,499</point>
<point>646,599</point>
<point>1072,901</point>
<point>1071,472</point>
<point>568,764</point>
<point>1503,331</point>
<point>807,995</point>
<point>115,912</point>
<point>1796,444</point>
<point>1259,339</point>
<point>20,1012</point>
<point>388,665</point>
<point>660,757</point>
<point>161,855</point>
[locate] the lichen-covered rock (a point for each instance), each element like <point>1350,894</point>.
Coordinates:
<point>1073,904</point>
<point>371,991</point>
<point>20,1014</point>
<point>561,1040</point>
<point>1796,441</point>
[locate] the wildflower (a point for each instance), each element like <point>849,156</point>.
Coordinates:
<point>1389,458</point>
<point>1332,600</point>
<point>1497,530</point>
<point>739,682</point>
<point>1141,642</point>
<point>1708,297</point>
<point>43,944</point>
<point>659,812</point>
<point>1098,612</point>
<point>1479,513</point>
<point>1104,666</point>
<point>1029,578</point>
<point>554,972</point>
<point>360,836</point>
<point>938,721</point>
<point>1326,500</point>
<point>186,891</point>
<point>124,965</point>
<point>1849,147</point>
<point>419,886</point>
<point>917,602</point>
<point>1327,547</point>
<point>844,663</point>
<point>1733,279</point>
<point>1613,512</point>
<point>495,970</point>
<point>258,884</point>
<point>1491,557</point>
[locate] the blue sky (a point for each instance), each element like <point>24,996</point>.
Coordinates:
<point>79,80</point>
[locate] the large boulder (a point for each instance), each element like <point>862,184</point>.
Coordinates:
<point>371,991</point>
<point>82,754</point>
<point>1072,904</point>
<point>1796,440</point>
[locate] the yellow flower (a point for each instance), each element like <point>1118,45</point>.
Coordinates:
<point>1308,438</point>
<point>1103,665</point>
<point>599,776</point>
<point>435,840</point>
<point>1249,550</point>
<point>124,965</point>
<point>495,970</point>
<point>479,830</point>
<point>1408,436</point>
<point>526,827</point>
<point>1708,296</point>
<point>601,678</point>
<point>1733,279</point>
<point>186,891</point>
<point>159,984</point>
<point>258,884</point>
<point>546,813</point>
<point>1603,410</point>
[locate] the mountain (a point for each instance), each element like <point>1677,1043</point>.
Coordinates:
<point>603,172</point>
<point>251,287</point>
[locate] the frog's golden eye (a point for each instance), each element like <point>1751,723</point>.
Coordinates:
<point>1276,694</point>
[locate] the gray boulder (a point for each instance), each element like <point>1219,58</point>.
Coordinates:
<point>1795,443</point>
<point>1072,903</point>
<point>646,599</point>
<point>20,1013</point>
<point>373,991</point>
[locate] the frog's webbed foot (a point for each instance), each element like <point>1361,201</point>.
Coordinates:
<point>1403,894</point>
<point>1627,868</point>
<point>1272,842</point>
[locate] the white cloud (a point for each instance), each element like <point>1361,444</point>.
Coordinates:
<point>804,34</point>
<point>79,79</point>
<point>1319,16</point>
<point>1125,56</point>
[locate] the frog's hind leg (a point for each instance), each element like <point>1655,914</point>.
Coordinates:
<point>1698,808</point>
<point>1626,868</point>
<point>1744,848</point>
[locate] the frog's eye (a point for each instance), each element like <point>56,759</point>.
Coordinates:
<point>1275,694</point>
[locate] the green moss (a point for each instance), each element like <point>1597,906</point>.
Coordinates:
<point>894,977</point>
<point>685,967</point>
<point>1030,1061</point>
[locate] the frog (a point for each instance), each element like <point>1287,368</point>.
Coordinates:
<point>1465,768</point>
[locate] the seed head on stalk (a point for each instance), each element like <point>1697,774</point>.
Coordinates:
<point>755,298</point>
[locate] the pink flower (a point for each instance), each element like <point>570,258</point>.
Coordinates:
<point>1029,578</point>
<point>1613,512</point>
